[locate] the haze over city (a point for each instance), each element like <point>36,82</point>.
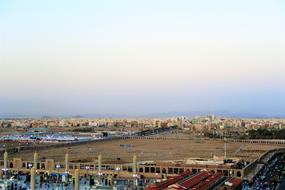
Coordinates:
<point>142,95</point>
<point>142,57</point>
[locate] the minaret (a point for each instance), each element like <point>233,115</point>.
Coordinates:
<point>36,160</point>
<point>33,176</point>
<point>134,164</point>
<point>99,162</point>
<point>135,175</point>
<point>66,161</point>
<point>5,160</point>
<point>76,180</point>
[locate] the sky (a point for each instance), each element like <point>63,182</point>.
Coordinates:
<point>139,57</point>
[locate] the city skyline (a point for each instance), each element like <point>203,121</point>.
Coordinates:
<point>139,58</point>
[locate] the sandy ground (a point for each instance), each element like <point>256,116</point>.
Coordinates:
<point>147,149</point>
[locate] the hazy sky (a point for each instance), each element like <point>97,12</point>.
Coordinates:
<point>138,57</point>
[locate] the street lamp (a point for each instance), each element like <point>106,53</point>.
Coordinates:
<point>57,166</point>
<point>135,176</point>
<point>5,170</point>
<point>100,177</point>
<point>87,170</point>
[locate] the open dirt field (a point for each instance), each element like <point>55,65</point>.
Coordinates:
<point>149,149</point>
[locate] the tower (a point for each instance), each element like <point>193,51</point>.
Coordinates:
<point>134,164</point>
<point>33,180</point>
<point>5,160</point>
<point>35,160</point>
<point>66,160</point>
<point>99,163</point>
<point>76,180</point>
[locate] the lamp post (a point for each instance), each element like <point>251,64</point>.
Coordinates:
<point>5,170</point>
<point>57,166</point>
<point>100,177</point>
<point>57,176</point>
<point>87,170</point>
<point>117,170</point>
<point>135,176</point>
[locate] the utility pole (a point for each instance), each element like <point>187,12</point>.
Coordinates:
<point>225,148</point>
